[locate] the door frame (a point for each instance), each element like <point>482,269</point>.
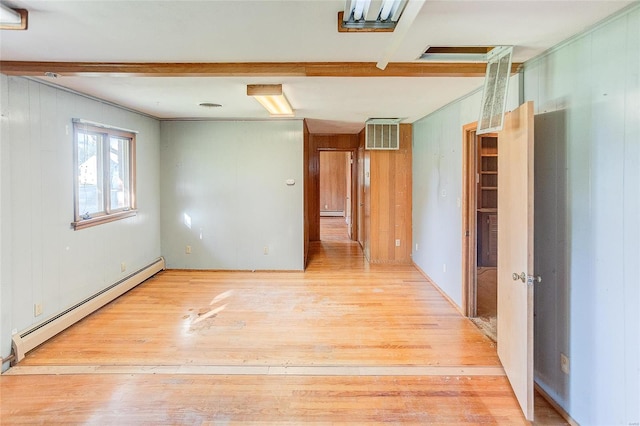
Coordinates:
<point>353,173</point>
<point>470,176</point>
<point>469,220</point>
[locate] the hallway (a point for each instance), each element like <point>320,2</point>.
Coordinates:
<point>343,342</point>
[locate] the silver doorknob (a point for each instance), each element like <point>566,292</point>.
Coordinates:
<point>529,279</point>
<point>522,277</point>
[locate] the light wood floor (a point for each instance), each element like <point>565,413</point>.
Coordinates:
<point>487,307</point>
<point>343,342</point>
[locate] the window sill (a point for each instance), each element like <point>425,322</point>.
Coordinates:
<point>94,221</point>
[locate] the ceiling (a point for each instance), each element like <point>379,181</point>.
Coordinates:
<point>274,31</point>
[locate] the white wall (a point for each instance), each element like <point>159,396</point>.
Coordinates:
<point>587,215</point>
<point>587,97</point>
<point>229,178</point>
<point>437,189</point>
<point>43,259</point>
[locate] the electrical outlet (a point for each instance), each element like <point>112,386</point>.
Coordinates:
<point>416,246</point>
<point>564,363</point>
<point>187,250</point>
<point>123,267</point>
<point>37,309</point>
<point>444,267</point>
<point>266,250</point>
<point>398,243</point>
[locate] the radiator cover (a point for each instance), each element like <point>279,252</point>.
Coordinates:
<point>34,336</point>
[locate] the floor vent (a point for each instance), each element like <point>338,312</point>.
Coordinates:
<point>382,133</point>
<point>29,339</point>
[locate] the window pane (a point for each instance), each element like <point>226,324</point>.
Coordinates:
<point>90,174</point>
<point>119,173</point>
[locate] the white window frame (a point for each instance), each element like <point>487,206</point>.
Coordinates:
<point>107,214</point>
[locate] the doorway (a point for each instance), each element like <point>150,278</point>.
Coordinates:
<point>336,223</point>
<point>480,222</point>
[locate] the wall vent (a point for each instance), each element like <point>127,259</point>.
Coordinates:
<point>494,95</point>
<point>382,133</point>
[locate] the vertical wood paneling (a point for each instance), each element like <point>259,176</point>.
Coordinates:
<point>349,205</point>
<point>35,191</point>
<point>631,214</point>
<point>230,179</point>
<point>6,296</point>
<point>587,192</point>
<point>317,143</point>
<point>43,260</point>
<point>390,202</point>
<point>368,201</point>
<point>20,201</point>
<point>360,190</point>
<point>307,188</point>
<point>333,181</point>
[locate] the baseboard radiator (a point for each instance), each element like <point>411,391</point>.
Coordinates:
<point>29,339</point>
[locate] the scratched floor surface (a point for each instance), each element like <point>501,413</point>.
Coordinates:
<point>341,343</point>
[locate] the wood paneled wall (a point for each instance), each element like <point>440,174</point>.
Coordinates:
<point>306,174</point>
<point>333,181</point>
<point>315,144</point>
<point>383,187</point>
<point>389,211</point>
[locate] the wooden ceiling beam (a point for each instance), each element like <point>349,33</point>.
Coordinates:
<point>259,69</point>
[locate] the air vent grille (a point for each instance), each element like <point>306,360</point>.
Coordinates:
<point>382,134</point>
<point>494,95</point>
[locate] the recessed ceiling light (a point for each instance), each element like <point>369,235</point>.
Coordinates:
<point>210,105</point>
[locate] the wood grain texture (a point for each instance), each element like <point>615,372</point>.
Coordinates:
<point>162,399</point>
<point>341,311</point>
<point>515,252</point>
<point>306,171</point>
<point>334,229</point>
<point>333,181</point>
<point>469,219</point>
<point>343,342</point>
<point>317,143</point>
<point>262,69</point>
<point>390,202</point>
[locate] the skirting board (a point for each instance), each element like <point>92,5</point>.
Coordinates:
<point>327,213</point>
<point>445,295</point>
<point>34,336</point>
<point>555,405</point>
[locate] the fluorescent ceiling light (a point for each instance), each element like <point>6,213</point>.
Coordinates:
<point>372,14</point>
<point>272,98</point>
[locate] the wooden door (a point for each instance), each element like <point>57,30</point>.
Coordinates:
<point>515,253</point>
<point>333,180</point>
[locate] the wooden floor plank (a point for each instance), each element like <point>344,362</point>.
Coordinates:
<point>149,399</point>
<point>344,342</point>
